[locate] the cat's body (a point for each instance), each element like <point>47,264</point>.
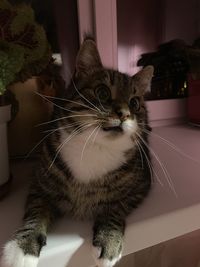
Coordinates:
<point>91,166</point>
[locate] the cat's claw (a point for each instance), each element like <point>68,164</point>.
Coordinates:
<point>104,262</point>
<point>13,256</point>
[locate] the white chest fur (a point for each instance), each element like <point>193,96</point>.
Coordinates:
<point>89,159</point>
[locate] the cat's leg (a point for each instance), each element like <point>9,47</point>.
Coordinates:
<point>108,239</point>
<point>24,248</point>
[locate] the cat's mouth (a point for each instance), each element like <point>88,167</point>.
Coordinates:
<point>113,125</point>
<point>113,129</point>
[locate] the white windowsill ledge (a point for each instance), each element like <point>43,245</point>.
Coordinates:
<point>162,216</point>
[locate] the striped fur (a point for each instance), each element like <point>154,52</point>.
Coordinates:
<point>112,191</point>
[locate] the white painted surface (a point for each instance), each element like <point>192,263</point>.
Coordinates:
<point>161,217</point>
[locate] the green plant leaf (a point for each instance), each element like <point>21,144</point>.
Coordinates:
<point>25,16</point>
<point>4,4</point>
<point>24,49</point>
<point>11,62</point>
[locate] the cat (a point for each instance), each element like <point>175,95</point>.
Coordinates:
<point>91,163</point>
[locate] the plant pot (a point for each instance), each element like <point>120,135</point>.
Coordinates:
<point>5,178</point>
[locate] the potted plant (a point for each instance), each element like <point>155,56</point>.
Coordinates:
<point>24,52</point>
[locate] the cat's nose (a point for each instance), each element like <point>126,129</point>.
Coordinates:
<point>123,114</point>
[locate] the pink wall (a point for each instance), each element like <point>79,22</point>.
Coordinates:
<point>142,25</point>
<point>68,34</point>
<point>181,20</point>
<point>139,30</point>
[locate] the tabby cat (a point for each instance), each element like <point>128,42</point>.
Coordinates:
<point>92,164</point>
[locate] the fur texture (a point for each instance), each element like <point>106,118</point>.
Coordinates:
<point>91,164</point>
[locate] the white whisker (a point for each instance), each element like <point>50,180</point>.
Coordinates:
<point>138,145</point>
<point>69,126</point>
<point>167,176</point>
<point>44,97</point>
<point>74,133</point>
<point>49,133</point>
<point>71,101</point>
<point>152,170</point>
<point>95,136</point>
<point>67,117</point>
<point>87,140</point>
<point>84,96</point>
<point>171,145</point>
<point>37,145</point>
<point>106,111</point>
<point>47,122</point>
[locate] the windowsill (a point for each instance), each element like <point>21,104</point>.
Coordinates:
<point>166,111</point>
<point>162,216</point>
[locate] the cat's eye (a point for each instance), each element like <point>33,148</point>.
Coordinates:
<point>134,104</point>
<point>103,93</point>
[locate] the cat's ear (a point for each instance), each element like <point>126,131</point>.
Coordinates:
<point>142,79</point>
<point>88,58</point>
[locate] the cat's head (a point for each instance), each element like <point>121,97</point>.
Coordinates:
<point>107,98</point>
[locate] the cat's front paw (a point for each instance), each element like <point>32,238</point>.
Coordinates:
<point>107,248</point>
<point>102,261</point>
<point>14,256</point>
